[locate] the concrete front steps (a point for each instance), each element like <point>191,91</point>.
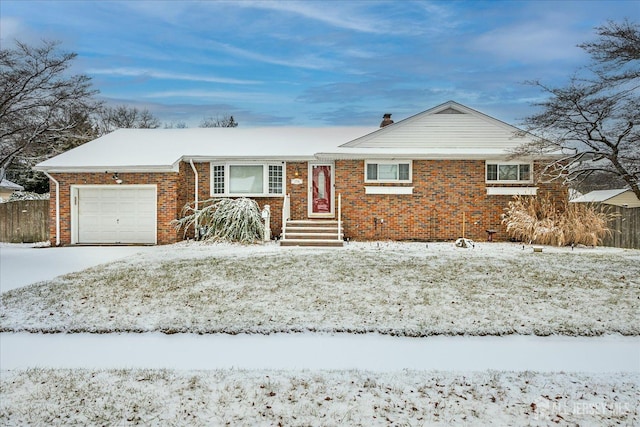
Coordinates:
<point>312,232</point>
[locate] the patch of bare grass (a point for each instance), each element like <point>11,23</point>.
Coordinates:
<point>358,398</point>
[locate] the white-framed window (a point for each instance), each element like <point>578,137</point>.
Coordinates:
<point>508,172</point>
<point>247,179</point>
<point>217,180</point>
<point>387,171</point>
<point>276,175</point>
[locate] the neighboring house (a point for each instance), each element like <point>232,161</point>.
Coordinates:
<point>427,177</point>
<point>620,197</point>
<point>7,188</point>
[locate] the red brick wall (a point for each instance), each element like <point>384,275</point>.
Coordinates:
<point>298,192</point>
<point>186,189</point>
<point>167,185</point>
<point>443,191</point>
<point>187,193</point>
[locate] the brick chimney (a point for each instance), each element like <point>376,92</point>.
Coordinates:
<point>386,120</point>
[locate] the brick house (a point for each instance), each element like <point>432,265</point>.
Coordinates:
<point>428,177</point>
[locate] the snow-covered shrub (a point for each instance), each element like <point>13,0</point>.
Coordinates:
<point>27,195</point>
<point>235,220</point>
<point>541,220</point>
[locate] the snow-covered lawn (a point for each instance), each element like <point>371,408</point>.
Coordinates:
<point>237,397</point>
<point>390,288</point>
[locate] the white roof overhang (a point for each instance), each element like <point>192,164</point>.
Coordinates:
<point>109,168</point>
<point>432,154</point>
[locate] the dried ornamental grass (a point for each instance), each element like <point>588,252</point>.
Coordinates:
<point>234,220</point>
<point>586,223</point>
<point>541,220</point>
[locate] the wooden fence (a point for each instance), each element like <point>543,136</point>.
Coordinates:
<point>625,228</point>
<point>24,221</point>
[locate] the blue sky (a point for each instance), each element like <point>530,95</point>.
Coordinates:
<point>317,63</point>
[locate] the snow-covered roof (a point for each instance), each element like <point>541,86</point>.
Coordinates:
<point>5,184</point>
<point>598,195</point>
<point>162,149</point>
<point>618,197</point>
<point>448,131</point>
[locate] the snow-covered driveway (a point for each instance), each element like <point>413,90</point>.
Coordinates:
<point>23,264</point>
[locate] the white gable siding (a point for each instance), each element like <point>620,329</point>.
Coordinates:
<point>450,125</point>
<point>445,130</point>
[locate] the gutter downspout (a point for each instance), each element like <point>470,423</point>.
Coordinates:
<point>196,228</point>
<point>57,207</point>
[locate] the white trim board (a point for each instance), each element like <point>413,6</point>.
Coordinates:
<point>388,190</point>
<point>512,191</point>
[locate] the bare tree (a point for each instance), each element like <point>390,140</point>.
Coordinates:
<point>175,125</point>
<point>37,102</point>
<point>615,51</point>
<point>124,117</point>
<point>595,119</point>
<point>225,121</point>
<point>21,170</point>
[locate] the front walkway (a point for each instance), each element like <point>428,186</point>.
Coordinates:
<point>321,351</point>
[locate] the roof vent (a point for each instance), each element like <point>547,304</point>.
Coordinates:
<point>386,120</point>
<point>450,110</point>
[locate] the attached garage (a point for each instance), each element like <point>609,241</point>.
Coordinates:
<point>114,214</point>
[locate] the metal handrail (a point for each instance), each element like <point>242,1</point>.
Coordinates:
<point>340,235</point>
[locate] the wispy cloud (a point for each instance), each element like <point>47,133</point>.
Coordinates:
<point>312,62</point>
<point>9,29</point>
<point>236,96</point>
<point>531,42</point>
<point>140,72</point>
<point>333,14</point>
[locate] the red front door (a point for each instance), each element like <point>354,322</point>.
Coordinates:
<point>321,190</point>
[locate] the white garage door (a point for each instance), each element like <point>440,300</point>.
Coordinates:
<point>122,214</point>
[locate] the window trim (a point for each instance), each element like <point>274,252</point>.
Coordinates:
<point>265,179</point>
<point>507,181</point>
<point>389,162</point>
